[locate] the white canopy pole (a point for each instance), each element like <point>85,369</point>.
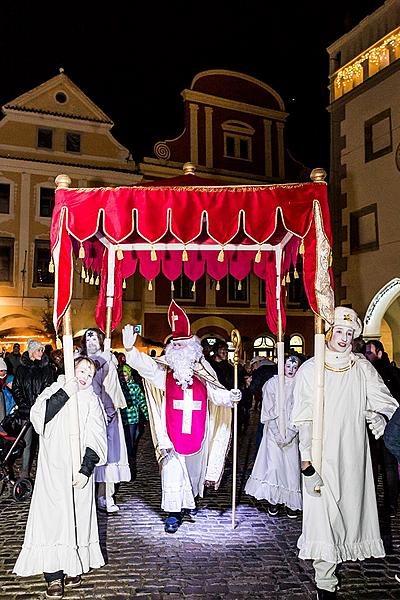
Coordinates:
<point>318,408</point>
<point>110,295</point>
<point>63,181</point>
<point>280,346</point>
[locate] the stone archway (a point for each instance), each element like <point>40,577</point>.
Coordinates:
<point>385,307</point>
<point>212,324</point>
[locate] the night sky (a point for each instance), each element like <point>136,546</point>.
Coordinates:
<point>133,61</point>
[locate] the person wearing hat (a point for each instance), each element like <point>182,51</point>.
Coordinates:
<point>340,518</point>
<point>135,414</point>
<point>190,416</point>
<point>13,359</point>
<point>32,376</point>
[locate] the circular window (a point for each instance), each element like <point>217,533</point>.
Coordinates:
<point>61,97</point>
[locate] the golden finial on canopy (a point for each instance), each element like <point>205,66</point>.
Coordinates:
<point>318,174</point>
<point>189,168</point>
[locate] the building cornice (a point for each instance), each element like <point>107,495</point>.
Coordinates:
<point>215,101</point>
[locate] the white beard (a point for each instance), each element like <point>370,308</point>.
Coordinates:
<point>182,360</point>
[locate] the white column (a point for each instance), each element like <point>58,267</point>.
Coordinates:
<point>281,150</point>
<point>209,137</point>
<point>24,230</point>
<point>194,141</point>
<point>268,147</point>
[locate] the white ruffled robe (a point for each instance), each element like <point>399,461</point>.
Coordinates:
<point>342,524</point>
<point>106,385</point>
<point>276,472</point>
<point>51,542</point>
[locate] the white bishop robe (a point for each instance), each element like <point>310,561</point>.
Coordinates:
<point>342,524</point>
<point>183,477</point>
<point>51,541</point>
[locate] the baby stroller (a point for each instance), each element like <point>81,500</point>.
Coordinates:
<point>11,447</point>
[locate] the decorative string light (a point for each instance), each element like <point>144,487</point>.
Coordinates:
<point>374,55</point>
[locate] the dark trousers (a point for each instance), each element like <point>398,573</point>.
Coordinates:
<point>131,437</point>
<point>381,457</point>
<point>49,577</point>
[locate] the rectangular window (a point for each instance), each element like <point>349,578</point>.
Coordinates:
<point>41,275</point>
<point>6,259</point>
<point>183,288</point>
<point>237,146</point>
<point>364,229</point>
<point>46,201</point>
<point>5,190</point>
<point>45,138</point>
<point>238,291</point>
<point>72,142</point>
<point>378,136</point>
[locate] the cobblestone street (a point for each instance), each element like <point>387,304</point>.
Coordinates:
<point>206,558</point>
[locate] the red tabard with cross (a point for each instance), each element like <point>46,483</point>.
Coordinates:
<point>186,415</point>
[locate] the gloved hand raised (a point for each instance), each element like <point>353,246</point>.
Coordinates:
<point>376,423</point>
<point>71,387</point>
<point>80,481</point>
<point>128,337</point>
<point>312,483</point>
<point>235,395</point>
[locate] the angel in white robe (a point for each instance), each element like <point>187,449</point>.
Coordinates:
<point>276,472</point>
<point>61,536</point>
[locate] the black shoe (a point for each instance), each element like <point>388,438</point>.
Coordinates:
<point>273,510</point>
<point>325,595</point>
<point>173,522</point>
<point>292,514</point>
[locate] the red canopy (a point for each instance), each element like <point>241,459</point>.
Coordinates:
<point>197,228</point>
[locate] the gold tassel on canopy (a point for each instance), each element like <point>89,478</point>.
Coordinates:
<point>97,280</point>
<point>301,247</point>
<point>120,254</point>
<point>193,287</point>
<point>153,254</point>
<point>218,287</point>
<point>81,251</point>
<point>83,273</point>
<point>150,286</point>
<point>51,266</point>
<point>124,284</point>
<point>185,257</point>
<point>258,256</point>
<point>221,255</point>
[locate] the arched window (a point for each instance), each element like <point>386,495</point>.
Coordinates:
<point>296,343</point>
<point>264,346</point>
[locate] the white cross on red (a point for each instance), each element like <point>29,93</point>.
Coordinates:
<point>187,405</point>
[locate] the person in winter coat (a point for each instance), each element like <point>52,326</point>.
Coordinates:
<point>33,375</point>
<point>134,414</point>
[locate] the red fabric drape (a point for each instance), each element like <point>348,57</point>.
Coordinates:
<point>204,215</point>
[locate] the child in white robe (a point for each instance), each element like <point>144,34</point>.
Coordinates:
<point>276,473</point>
<point>61,536</point>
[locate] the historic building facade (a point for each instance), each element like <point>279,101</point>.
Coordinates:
<point>233,134</point>
<point>52,129</point>
<point>365,171</point>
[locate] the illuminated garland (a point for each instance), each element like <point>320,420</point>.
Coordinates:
<point>373,55</point>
